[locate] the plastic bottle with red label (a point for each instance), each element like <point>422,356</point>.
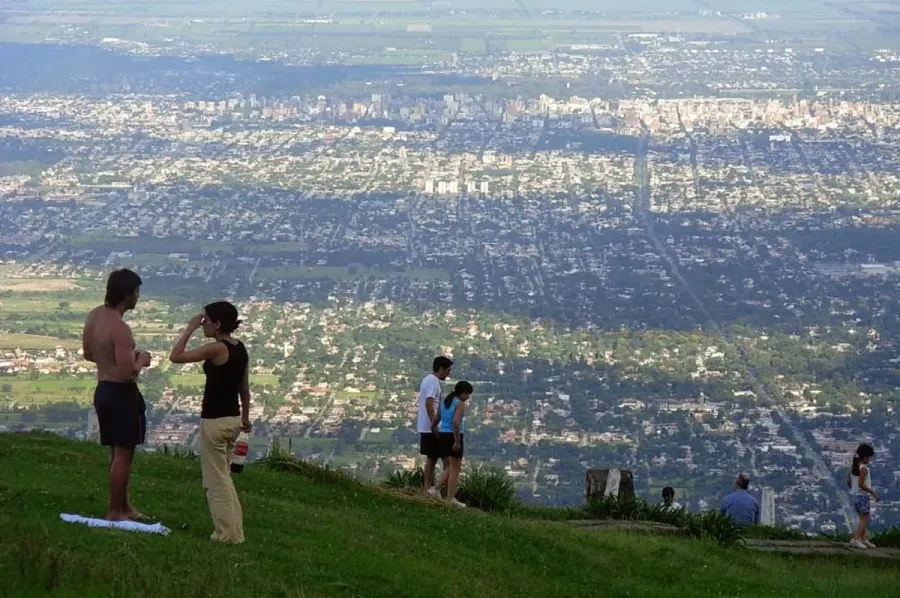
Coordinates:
<point>241,447</point>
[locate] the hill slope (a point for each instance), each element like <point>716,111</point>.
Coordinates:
<point>308,538</point>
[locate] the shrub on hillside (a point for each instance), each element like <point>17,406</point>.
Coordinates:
<point>545,512</point>
<point>408,480</point>
<point>887,539</point>
<point>487,488</point>
<point>610,507</point>
<point>713,525</point>
<point>178,451</point>
<point>710,525</point>
<point>281,460</point>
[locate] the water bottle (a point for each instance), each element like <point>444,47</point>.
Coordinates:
<point>240,453</point>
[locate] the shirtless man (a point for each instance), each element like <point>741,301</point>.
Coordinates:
<point>121,412</point>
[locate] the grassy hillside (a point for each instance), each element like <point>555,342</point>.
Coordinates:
<point>333,538</point>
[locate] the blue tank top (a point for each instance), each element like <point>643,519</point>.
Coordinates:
<point>447,414</point>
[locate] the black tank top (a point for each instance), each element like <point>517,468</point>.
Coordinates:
<point>223,383</point>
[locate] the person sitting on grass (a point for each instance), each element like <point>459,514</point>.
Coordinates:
<point>860,483</point>
<point>451,430</point>
<point>668,496</point>
<point>739,506</point>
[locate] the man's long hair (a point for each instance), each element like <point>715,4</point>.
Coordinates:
<point>121,284</point>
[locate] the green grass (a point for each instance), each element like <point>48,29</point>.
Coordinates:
<point>264,380</point>
<point>36,342</point>
<point>198,380</point>
<point>187,380</point>
<point>25,167</point>
<point>104,241</point>
<point>43,391</point>
<point>315,534</point>
<point>363,395</point>
<point>346,273</point>
<point>305,446</point>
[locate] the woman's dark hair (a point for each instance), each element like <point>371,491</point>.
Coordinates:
<point>668,493</point>
<point>864,450</point>
<point>224,314</point>
<point>120,284</point>
<point>462,387</point>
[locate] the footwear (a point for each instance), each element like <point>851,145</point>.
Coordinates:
<point>869,544</point>
<point>433,492</point>
<point>858,544</point>
<point>457,503</point>
<point>139,517</point>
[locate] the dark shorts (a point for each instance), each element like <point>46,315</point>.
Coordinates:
<point>121,414</point>
<point>445,445</point>
<point>862,504</point>
<point>428,445</point>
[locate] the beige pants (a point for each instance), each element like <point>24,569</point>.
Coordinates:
<point>217,438</point>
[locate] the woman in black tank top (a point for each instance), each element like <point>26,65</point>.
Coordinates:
<point>225,411</point>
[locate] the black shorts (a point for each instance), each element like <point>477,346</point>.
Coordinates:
<point>445,445</point>
<point>121,414</point>
<point>428,445</point>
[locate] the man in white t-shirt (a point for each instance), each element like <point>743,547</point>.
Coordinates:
<point>430,396</point>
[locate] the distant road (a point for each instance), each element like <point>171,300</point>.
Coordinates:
<point>642,210</point>
<point>324,411</point>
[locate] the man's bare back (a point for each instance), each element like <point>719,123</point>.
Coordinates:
<point>104,329</point>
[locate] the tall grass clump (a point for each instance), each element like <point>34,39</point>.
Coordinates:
<point>406,480</point>
<point>178,451</point>
<point>889,538</point>
<point>488,489</point>
<point>279,459</point>
<point>485,488</point>
<point>708,525</point>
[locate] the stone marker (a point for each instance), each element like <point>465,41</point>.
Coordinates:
<point>609,482</point>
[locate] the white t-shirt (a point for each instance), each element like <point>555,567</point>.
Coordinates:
<point>854,480</point>
<point>430,387</point>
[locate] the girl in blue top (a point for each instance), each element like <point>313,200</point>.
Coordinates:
<point>451,430</point>
<point>860,482</point>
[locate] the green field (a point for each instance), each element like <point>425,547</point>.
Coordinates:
<point>346,273</point>
<point>406,32</point>
<point>105,241</point>
<point>28,168</point>
<point>385,435</point>
<point>328,537</point>
<point>198,380</point>
<point>363,395</point>
<point>23,303</point>
<point>35,342</point>
<point>370,32</point>
<point>305,446</point>
<point>34,393</point>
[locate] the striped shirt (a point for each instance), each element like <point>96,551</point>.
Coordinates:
<point>741,508</point>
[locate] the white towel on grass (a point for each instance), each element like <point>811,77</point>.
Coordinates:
<point>128,526</point>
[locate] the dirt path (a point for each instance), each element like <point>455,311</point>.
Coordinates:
<point>822,547</point>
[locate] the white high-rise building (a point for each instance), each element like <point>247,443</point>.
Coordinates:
<point>767,508</point>
<point>93,427</point>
